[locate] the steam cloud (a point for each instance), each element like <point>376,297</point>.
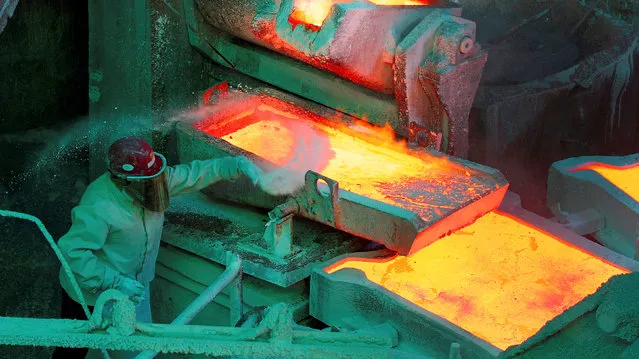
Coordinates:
<point>311,151</point>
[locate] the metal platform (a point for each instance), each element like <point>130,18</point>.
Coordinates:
<point>209,229</point>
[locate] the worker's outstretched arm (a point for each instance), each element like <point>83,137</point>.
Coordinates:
<point>87,235</point>
<point>200,174</point>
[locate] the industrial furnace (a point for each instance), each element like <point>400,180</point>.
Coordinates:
<point>370,235</point>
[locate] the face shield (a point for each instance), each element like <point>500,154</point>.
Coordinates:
<point>152,192</point>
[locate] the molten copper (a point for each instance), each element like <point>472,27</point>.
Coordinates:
<point>403,2</point>
<point>626,178</point>
<point>313,12</point>
<point>364,159</point>
<point>498,278</point>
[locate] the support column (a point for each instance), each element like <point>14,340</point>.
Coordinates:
<point>119,75</point>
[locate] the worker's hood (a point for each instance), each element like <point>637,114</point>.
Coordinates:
<point>151,192</point>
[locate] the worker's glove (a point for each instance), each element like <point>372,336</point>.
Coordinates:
<point>249,169</point>
<point>130,287</point>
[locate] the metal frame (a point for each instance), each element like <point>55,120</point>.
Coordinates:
<point>583,200</point>
<point>276,340</point>
<point>275,336</point>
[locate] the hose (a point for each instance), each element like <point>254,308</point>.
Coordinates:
<point>56,250</point>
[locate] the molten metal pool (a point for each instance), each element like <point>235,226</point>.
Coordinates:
<point>314,12</point>
<point>377,167</point>
<point>498,278</point>
<point>342,172</point>
<point>626,178</point>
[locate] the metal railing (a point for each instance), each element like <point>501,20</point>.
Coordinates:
<point>232,278</point>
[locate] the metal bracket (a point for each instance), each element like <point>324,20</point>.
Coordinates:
<point>279,235</point>
<point>279,229</point>
<point>322,195</point>
<point>454,351</point>
<point>423,137</point>
<point>583,223</point>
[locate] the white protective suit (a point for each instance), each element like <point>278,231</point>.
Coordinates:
<point>113,236</point>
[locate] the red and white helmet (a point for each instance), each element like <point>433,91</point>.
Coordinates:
<point>132,157</point>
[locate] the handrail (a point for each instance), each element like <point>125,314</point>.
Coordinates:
<point>231,275</point>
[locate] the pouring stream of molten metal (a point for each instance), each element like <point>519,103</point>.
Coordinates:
<point>498,278</point>
<point>626,178</point>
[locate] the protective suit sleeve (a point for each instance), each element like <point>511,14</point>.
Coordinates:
<point>88,234</point>
<point>200,174</point>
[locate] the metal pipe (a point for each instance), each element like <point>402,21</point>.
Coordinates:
<point>63,262</point>
<point>236,307</point>
<point>233,269</point>
<point>56,250</point>
<point>291,206</point>
<point>233,272</point>
<point>197,339</point>
<point>387,338</point>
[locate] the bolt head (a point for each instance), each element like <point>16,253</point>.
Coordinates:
<point>466,45</point>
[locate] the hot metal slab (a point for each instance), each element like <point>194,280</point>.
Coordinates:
<point>403,198</point>
<point>485,293</point>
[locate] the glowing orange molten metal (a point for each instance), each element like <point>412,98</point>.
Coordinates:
<point>314,12</point>
<point>402,2</point>
<point>498,278</point>
<point>311,12</point>
<point>626,178</point>
<point>379,167</point>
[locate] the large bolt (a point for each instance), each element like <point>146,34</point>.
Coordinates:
<point>466,45</point>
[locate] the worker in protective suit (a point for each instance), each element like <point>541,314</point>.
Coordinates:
<point>115,233</point>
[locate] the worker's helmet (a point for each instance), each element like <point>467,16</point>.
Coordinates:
<point>140,172</point>
<point>133,157</point>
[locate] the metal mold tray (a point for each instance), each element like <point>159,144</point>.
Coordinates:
<point>489,286</point>
<point>609,186</point>
<point>403,212</point>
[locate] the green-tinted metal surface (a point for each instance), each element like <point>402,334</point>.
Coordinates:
<point>182,276</point>
<point>571,192</point>
<point>198,340</point>
<point>208,229</point>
